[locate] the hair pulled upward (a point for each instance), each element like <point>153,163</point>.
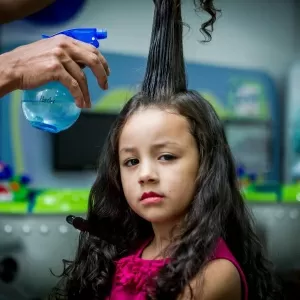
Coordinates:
<point>165,72</point>
<point>112,230</point>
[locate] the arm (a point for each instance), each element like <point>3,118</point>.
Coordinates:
<point>11,10</point>
<point>219,281</point>
<point>8,81</point>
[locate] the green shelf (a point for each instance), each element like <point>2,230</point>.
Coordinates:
<point>61,201</point>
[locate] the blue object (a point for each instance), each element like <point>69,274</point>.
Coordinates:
<point>59,12</point>
<point>6,171</point>
<point>51,107</point>
<point>25,179</point>
<point>241,171</point>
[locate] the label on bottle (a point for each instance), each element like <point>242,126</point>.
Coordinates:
<point>47,100</point>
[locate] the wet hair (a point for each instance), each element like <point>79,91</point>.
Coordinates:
<point>217,209</point>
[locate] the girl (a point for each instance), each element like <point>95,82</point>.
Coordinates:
<point>166,219</point>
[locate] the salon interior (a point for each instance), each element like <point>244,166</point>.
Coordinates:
<point>249,72</point>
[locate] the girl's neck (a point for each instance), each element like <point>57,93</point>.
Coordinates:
<point>162,238</point>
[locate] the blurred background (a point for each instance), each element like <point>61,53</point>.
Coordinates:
<point>250,72</point>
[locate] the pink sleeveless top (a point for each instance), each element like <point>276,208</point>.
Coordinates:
<point>134,275</point>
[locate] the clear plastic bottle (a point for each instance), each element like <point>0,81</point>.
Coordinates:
<point>51,107</point>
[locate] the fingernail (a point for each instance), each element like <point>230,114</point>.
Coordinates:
<point>78,102</point>
<point>106,85</point>
<point>108,71</point>
<point>87,102</point>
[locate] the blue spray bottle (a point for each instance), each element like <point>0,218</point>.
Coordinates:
<point>51,107</point>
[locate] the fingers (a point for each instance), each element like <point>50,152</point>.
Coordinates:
<point>71,84</point>
<point>73,55</point>
<point>94,50</point>
<point>75,71</point>
<point>104,63</point>
<point>94,63</point>
<point>88,55</point>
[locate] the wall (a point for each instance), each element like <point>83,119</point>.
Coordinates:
<point>250,34</point>
<point>297,25</point>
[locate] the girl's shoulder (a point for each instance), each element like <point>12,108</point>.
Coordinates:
<point>223,252</point>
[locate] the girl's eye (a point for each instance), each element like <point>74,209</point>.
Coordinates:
<point>167,157</point>
<point>131,162</point>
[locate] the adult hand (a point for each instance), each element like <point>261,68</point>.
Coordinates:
<point>58,58</point>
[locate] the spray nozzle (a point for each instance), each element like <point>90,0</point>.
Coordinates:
<point>101,34</point>
<point>87,35</point>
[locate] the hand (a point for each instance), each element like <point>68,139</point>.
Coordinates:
<point>58,59</point>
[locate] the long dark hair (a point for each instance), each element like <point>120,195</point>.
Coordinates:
<point>217,210</point>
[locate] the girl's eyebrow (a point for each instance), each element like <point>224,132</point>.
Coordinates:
<point>155,146</point>
<point>165,144</point>
<point>128,149</point>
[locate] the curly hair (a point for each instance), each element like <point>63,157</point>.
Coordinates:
<point>217,209</point>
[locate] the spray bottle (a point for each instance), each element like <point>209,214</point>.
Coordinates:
<point>51,107</point>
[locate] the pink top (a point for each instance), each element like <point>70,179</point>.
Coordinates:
<point>134,275</point>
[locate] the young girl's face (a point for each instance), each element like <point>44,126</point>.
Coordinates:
<point>159,161</point>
